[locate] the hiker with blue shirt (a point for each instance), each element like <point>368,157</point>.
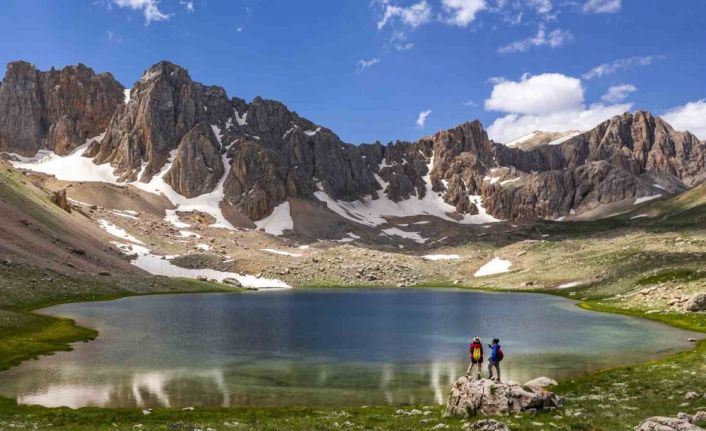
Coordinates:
<point>496,355</point>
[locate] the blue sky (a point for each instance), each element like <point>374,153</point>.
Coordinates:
<point>371,69</point>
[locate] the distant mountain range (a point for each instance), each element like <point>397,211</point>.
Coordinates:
<point>243,162</point>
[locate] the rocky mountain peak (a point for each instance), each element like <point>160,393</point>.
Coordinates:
<point>56,110</point>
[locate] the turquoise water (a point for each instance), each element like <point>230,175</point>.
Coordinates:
<point>321,347</point>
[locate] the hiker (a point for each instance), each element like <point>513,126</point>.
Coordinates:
<point>496,355</point>
<point>476,351</point>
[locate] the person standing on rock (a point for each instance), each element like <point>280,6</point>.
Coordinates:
<point>496,355</point>
<point>476,351</point>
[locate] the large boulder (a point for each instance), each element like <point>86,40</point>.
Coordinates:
<point>469,397</point>
<point>59,199</point>
<point>696,303</point>
<point>663,423</point>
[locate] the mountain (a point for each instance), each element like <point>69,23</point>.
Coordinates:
<point>244,163</point>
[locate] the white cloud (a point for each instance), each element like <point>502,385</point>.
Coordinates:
<point>150,9</point>
<point>690,117</point>
<point>549,102</point>
<point>365,64</point>
<point>462,12</point>
<point>422,119</point>
<point>620,64</point>
<point>470,103</point>
<point>602,6</point>
<point>539,94</point>
<point>541,6</point>
<point>512,126</point>
<point>413,16</point>
<point>618,93</point>
<point>553,39</point>
<point>239,29</point>
<point>188,5</point>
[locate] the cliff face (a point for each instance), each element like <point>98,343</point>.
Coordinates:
<point>56,110</point>
<point>261,153</point>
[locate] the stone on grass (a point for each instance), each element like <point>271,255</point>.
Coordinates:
<point>486,425</point>
<point>541,382</point>
<point>663,423</point>
<point>696,303</point>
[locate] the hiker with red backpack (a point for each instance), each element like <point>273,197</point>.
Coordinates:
<point>496,355</point>
<point>476,351</point>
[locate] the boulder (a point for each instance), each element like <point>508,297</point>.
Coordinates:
<point>60,200</point>
<point>486,425</point>
<point>232,282</point>
<point>469,397</point>
<point>541,382</point>
<point>663,423</point>
<point>696,303</point>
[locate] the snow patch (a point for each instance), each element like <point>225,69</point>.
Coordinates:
<point>117,231</point>
<point>126,96</point>
<point>638,216</point>
<point>495,266</point>
<point>568,285</point>
<point>414,236</point>
<point>208,203</point>
<point>242,121</point>
<point>188,234</point>
<point>312,132</point>
<point>435,257</point>
<point>204,247</point>
<point>157,265</point>
<point>277,222</point>
<point>281,252</point>
<point>72,167</point>
<point>646,199</point>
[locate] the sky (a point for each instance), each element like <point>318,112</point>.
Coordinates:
<point>396,69</point>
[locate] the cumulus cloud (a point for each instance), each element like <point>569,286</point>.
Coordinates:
<point>365,64</point>
<point>690,117</point>
<point>553,39</point>
<point>618,93</point>
<point>539,94</point>
<point>149,8</point>
<point>549,102</point>
<point>602,6</point>
<point>462,12</point>
<point>413,16</point>
<point>422,118</point>
<point>617,65</point>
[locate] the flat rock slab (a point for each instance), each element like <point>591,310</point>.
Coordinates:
<point>663,423</point>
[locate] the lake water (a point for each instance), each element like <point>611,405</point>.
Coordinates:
<point>321,347</point>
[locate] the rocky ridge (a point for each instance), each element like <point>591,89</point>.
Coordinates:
<point>259,155</point>
<point>57,110</point>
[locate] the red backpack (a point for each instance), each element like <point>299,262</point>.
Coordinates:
<point>501,355</point>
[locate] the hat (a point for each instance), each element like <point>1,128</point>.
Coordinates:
<point>477,339</point>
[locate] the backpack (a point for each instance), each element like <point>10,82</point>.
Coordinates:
<point>501,355</point>
<point>476,354</point>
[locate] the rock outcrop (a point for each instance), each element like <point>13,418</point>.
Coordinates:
<point>197,166</point>
<point>470,397</point>
<point>56,110</point>
<point>59,199</point>
<point>696,303</point>
<point>683,422</point>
